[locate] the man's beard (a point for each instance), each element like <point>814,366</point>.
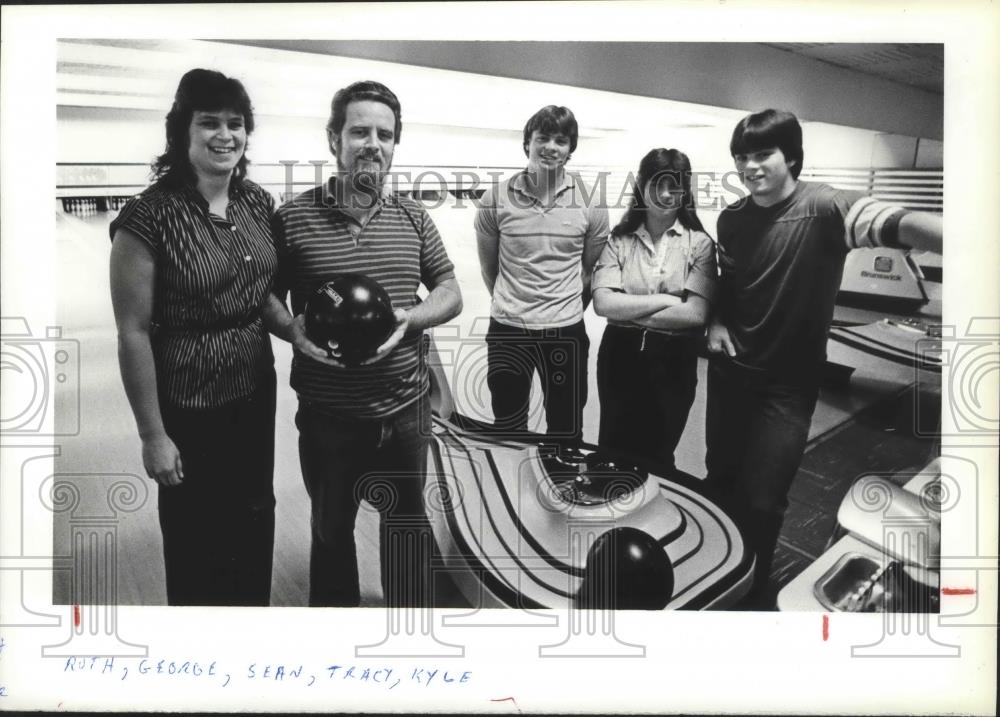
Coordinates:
<point>365,181</point>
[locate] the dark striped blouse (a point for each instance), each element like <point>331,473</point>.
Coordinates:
<point>400,248</point>
<point>212,277</point>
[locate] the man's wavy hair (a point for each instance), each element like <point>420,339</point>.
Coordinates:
<point>204,91</point>
<point>358,92</point>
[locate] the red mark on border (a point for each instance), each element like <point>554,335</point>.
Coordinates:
<point>76,615</point>
<point>957,591</point>
<point>507,699</point>
<point>826,628</point>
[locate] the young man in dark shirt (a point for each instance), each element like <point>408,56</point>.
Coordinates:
<point>781,258</point>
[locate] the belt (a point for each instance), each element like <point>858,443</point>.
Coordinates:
<point>649,335</point>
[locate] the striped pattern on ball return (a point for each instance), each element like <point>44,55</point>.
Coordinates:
<point>510,538</point>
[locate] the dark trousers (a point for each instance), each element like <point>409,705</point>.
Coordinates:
<point>757,424</point>
<point>384,462</point>
<point>646,382</point>
<point>560,357</point>
<point>218,525</point>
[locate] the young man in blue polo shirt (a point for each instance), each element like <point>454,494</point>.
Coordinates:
<point>539,235</point>
<point>781,257</point>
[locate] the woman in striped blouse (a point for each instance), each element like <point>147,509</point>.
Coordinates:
<point>192,261</point>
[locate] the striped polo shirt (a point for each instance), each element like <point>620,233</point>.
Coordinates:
<point>401,249</point>
<point>212,277</point>
<point>539,284</point>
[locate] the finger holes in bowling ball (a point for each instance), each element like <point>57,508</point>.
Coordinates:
<point>355,312</point>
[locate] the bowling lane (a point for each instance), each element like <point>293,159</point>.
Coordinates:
<point>106,449</point>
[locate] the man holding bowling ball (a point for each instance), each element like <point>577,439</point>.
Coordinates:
<point>363,424</point>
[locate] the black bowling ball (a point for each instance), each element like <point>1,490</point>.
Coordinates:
<point>354,311</point>
<point>626,570</point>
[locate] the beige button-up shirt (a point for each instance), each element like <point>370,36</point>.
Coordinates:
<point>680,261</point>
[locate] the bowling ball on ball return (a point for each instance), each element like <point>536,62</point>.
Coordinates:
<point>626,569</point>
<point>354,311</point>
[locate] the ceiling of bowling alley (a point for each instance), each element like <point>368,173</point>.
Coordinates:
<point>917,64</point>
<point>141,75</point>
<point>889,88</point>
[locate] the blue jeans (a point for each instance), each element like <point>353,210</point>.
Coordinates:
<point>756,427</point>
<point>382,461</point>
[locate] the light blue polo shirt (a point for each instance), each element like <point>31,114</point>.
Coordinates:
<point>541,248</point>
